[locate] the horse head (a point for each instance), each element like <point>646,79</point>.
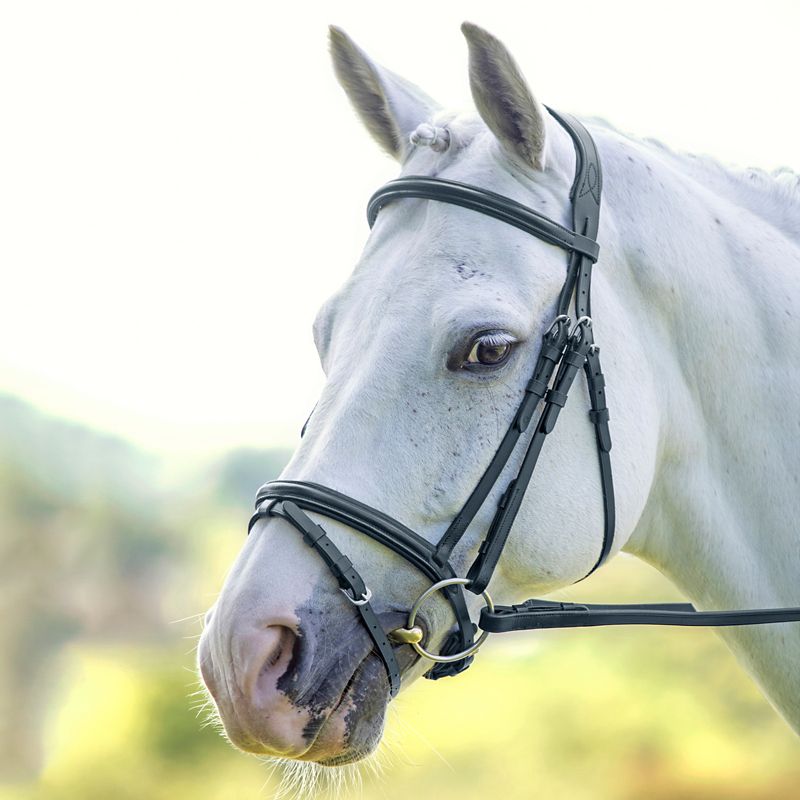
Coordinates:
<point>427,349</point>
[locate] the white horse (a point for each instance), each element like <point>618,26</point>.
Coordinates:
<point>426,350</point>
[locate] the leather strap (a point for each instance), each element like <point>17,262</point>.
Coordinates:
<point>599,417</point>
<point>587,186</point>
<point>347,576</point>
<point>585,196</point>
<point>388,532</point>
<point>553,343</point>
<point>308,419</point>
<point>483,567</point>
<point>540,614</point>
<point>485,202</point>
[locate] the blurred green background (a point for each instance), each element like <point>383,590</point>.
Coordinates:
<point>109,554</point>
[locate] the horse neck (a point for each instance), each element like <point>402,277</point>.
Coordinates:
<point>713,291</point>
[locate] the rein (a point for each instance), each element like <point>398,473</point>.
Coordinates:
<point>566,349</point>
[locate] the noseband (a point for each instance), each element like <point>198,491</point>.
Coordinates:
<point>566,349</point>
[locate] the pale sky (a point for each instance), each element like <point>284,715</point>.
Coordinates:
<point>183,183</point>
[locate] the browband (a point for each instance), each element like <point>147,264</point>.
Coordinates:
<point>485,202</point>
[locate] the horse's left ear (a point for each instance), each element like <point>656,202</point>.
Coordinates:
<point>390,106</point>
<point>503,98</point>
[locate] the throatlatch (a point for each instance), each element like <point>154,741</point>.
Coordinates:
<point>565,350</point>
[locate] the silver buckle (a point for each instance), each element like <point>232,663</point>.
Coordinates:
<point>365,598</point>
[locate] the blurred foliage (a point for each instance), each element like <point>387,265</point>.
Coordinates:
<point>104,568</point>
<point>242,472</point>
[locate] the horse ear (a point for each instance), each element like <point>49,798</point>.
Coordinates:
<point>503,98</point>
<point>388,105</point>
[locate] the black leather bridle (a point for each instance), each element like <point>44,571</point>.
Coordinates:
<point>566,349</point>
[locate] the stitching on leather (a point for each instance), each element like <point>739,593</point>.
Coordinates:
<point>591,183</point>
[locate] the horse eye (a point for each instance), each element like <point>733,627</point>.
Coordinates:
<point>490,350</point>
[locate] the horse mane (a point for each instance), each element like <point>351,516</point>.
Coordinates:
<point>772,195</point>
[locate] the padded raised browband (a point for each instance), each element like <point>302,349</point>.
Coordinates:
<point>484,202</point>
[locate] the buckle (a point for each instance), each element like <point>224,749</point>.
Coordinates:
<point>365,598</point>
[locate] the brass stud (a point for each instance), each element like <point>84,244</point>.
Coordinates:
<point>407,635</point>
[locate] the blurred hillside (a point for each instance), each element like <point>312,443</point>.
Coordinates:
<point>104,565</point>
<point>92,543</point>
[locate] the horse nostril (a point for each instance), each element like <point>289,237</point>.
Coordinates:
<point>266,655</point>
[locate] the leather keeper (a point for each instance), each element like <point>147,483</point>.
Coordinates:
<point>600,420</point>
<point>556,397</point>
<point>342,565</point>
<point>536,386</point>
<point>550,352</point>
<point>587,246</point>
<point>574,358</point>
<point>313,535</point>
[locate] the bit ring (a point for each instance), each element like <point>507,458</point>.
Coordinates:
<point>412,618</point>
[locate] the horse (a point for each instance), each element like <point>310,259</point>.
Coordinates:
<point>427,348</point>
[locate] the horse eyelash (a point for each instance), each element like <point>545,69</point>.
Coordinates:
<point>496,339</point>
